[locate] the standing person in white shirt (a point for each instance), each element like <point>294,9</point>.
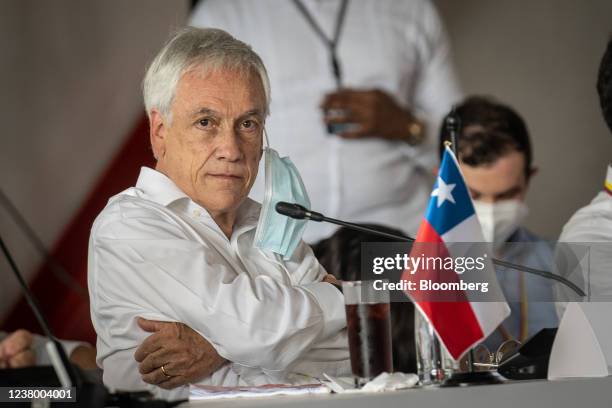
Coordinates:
<point>591,226</point>
<point>381,69</point>
<point>178,247</point>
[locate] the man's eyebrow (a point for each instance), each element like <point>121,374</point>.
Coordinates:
<point>212,112</point>
<point>204,111</point>
<point>511,190</point>
<point>252,112</point>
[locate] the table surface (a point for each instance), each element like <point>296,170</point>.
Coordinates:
<point>587,393</point>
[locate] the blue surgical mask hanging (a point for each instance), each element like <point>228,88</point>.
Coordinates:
<point>276,232</point>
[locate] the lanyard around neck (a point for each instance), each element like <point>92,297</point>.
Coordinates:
<point>331,43</point>
<point>523,330</point>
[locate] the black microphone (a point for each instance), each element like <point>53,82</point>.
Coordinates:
<point>300,213</point>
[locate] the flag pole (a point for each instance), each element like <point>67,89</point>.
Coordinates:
<point>453,124</point>
<point>472,377</point>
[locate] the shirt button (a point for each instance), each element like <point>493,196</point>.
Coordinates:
<point>197,213</point>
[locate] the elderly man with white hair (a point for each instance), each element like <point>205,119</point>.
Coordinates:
<point>178,246</point>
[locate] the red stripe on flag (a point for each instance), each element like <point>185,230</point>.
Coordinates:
<point>455,323</point>
<point>67,312</point>
<point>450,313</point>
<point>427,233</point>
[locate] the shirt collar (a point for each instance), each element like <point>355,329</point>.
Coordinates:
<point>608,183</point>
<point>158,187</point>
<point>161,189</point>
<point>248,214</point>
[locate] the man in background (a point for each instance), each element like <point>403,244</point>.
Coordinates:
<point>495,157</point>
<point>359,89</point>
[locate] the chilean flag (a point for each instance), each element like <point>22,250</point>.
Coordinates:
<point>459,322</point>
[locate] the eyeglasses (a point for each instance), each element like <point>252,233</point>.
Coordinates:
<point>485,360</point>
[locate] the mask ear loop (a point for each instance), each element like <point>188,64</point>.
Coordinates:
<point>266,138</point>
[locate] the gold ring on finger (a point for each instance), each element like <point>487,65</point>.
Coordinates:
<point>163,370</point>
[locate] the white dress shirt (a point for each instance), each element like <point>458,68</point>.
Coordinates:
<point>589,231</point>
<point>397,46</point>
<point>155,253</point>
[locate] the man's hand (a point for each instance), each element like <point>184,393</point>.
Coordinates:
<point>84,356</point>
<point>375,113</point>
<point>16,350</point>
<point>329,278</point>
<point>185,355</point>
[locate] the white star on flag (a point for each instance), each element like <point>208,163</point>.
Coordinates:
<point>443,192</point>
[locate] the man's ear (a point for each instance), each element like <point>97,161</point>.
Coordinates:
<point>157,134</point>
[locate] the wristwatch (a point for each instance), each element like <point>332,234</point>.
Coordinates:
<point>415,131</point>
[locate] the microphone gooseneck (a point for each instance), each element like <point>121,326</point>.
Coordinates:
<point>90,394</point>
<point>73,378</point>
<point>301,213</point>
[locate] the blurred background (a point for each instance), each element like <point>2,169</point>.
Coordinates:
<point>74,131</point>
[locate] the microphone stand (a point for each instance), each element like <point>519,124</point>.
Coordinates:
<point>64,370</point>
<point>301,213</point>
<point>89,394</point>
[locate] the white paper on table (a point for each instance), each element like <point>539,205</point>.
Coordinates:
<point>583,344</point>
<point>383,382</point>
<point>205,392</point>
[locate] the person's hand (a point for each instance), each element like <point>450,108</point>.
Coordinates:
<point>16,350</point>
<point>184,355</point>
<point>329,278</point>
<point>84,356</point>
<point>374,114</point>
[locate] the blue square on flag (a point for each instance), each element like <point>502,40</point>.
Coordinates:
<point>449,190</point>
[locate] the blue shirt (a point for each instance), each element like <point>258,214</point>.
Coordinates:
<point>525,248</point>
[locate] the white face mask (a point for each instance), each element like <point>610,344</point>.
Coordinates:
<point>500,220</point>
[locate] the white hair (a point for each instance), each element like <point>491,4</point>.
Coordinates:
<point>203,48</point>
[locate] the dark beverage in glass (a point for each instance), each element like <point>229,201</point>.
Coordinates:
<point>369,335</point>
<point>368,320</point>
